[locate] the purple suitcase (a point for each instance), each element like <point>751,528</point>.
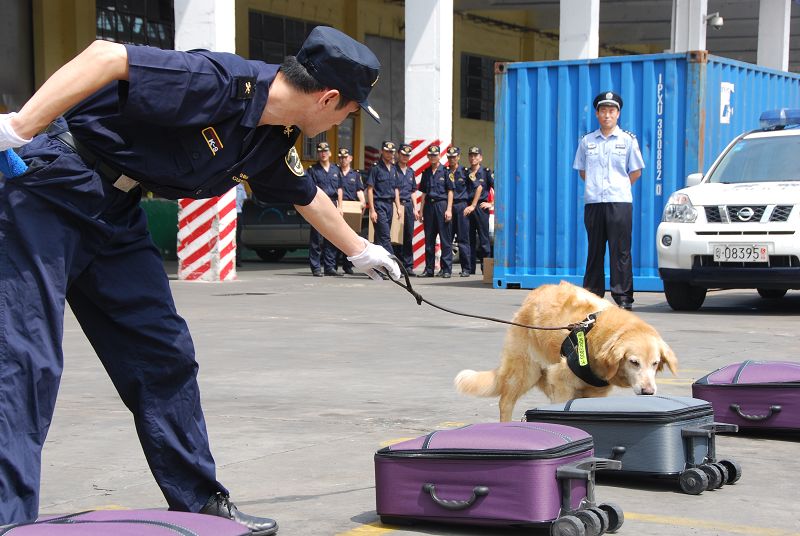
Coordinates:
<point>128,523</point>
<point>510,473</point>
<point>762,395</point>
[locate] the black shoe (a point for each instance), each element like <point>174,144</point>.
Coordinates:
<point>316,273</point>
<point>465,273</point>
<point>425,274</point>
<point>440,274</point>
<point>411,274</point>
<point>626,305</point>
<point>348,271</point>
<point>447,275</point>
<point>333,273</point>
<point>221,506</point>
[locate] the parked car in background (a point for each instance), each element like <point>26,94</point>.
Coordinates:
<point>739,225</point>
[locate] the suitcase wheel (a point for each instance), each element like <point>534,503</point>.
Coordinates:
<point>724,471</point>
<point>592,524</point>
<point>734,470</point>
<point>714,476</point>
<point>693,481</point>
<point>615,516</point>
<point>604,521</point>
<point>567,526</point>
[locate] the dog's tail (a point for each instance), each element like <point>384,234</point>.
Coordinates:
<point>471,382</point>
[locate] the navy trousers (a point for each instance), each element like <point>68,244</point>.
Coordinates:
<point>321,253</point>
<point>383,227</point>
<point>461,229</point>
<point>407,250</point>
<point>480,247</point>
<point>66,234</point>
<point>609,223</point>
<point>434,224</point>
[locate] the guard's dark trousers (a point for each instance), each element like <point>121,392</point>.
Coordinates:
<point>609,223</point>
<point>408,235</point>
<point>383,227</point>
<point>461,230</point>
<point>67,234</point>
<point>433,225</point>
<point>479,244</point>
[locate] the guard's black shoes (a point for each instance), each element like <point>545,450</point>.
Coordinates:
<point>333,273</point>
<point>220,505</point>
<point>446,275</point>
<point>316,273</point>
<point>348,271</point>
<point>465,273</point>
<point>425,274</point>
<point>626,305</point>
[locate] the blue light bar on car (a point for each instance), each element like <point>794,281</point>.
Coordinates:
<point>781,117</point>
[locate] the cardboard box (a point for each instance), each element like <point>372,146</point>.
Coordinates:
<point>396,231</point>
<point>488,270</point>
<point>352,214</point>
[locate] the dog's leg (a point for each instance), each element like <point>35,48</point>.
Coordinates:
<point>516,376</point>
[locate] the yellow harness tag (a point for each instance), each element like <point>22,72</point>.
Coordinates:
<point>582,359</point>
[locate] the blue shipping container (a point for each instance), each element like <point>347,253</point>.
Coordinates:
<point>683,108</point>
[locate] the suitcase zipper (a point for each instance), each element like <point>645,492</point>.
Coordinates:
<point>628,416</point>
<point>70,520</point>
<point>575,447</point>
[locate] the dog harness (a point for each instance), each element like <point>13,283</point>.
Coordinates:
<point>576,352</point>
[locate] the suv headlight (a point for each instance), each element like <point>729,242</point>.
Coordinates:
<point>679,209</point>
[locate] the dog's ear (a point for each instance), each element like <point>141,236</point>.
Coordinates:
<point>608,359</point>
<point>668,357</point>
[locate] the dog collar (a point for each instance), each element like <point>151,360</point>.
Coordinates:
<point>576,352</point>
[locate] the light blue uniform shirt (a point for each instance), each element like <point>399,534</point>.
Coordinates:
<point>607,163</point>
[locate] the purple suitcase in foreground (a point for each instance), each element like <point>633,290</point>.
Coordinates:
<point>128,523</point>
<point>510,474</point>
<point>761,395</point>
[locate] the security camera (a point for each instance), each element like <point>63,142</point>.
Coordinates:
<point>715,21</point>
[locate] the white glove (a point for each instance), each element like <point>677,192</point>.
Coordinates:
<point>9,138</point>
<point>374,257</point>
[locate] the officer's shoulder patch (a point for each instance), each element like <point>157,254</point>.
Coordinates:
<point>629,133</point>
<point>293,162</point>
<point>245,87</point>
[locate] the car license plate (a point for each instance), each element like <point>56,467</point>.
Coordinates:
<point>740,253</point>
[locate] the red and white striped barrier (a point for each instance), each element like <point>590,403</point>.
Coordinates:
<point>419,162</point>
<point>207,238</point>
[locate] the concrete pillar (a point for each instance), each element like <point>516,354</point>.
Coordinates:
<point>206,227</point>
<point>773,34</point>
<point>688,25</point>
<point>209,24</point>
<point>428,88</point>
<point>579,30</point>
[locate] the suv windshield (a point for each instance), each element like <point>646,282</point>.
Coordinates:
<point>760,160</point>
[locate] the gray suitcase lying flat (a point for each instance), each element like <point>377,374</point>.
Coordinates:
<point>658,436</point>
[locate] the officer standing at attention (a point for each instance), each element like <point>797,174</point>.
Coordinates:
<point>407,185</point>
<point>382,193</point>
<point>321,253</point>
<point>482,180</point>
<point>609,162</point>
<point>462,194</point>
<point>436,207</point>
<point>182,124</point>
<point>352,190</point>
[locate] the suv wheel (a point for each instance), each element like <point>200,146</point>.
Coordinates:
<point>683,296</point>
<point>772,293</point>
<point>271,254</point>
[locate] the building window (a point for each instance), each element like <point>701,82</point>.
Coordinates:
<point>477,87</point>
<point>138,22</point>
<point>273,38</point>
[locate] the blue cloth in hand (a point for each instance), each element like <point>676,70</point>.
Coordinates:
<point>11,165</point>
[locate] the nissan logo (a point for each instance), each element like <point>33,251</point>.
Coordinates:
<point>745,214</point>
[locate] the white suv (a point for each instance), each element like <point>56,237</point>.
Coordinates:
<point>739,225</point>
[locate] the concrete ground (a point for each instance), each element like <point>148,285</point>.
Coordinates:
<point>304,378</point>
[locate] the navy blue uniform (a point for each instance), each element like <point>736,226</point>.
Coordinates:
<point>407,185</point>
<point>480,247</point>
<point>462,196</point>
<point>435,186</point>
<point>321,253</point>
<point>351,185</point>
<point>384,181</point>
<point>68,234</point>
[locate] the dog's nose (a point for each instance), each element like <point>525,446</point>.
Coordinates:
<point>648,391</point>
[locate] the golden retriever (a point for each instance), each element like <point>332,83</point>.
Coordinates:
<point>623,350</point>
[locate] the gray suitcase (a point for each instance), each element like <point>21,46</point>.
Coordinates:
<point>659,436</point>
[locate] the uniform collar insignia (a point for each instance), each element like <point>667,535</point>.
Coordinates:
<point>287,131</point>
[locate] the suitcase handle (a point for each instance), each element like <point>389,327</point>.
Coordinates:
<point>772,411</point>
<point>447,504</point>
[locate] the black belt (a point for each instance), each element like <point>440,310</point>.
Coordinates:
<point>106,172</point>
<point>405,200</point>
